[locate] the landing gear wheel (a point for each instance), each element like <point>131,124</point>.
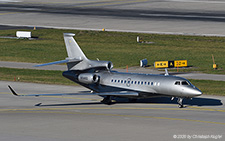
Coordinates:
<point>180,102</point>
<point>107,100</point>
<point>181,106</point>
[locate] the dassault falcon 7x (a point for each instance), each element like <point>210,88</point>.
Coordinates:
<point>99,77</point>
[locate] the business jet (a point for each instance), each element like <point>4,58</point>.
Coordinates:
<point>99,77</point>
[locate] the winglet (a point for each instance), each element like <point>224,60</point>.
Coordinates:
<point>13,92</point>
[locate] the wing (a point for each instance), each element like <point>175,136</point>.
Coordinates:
<point>119,93</point>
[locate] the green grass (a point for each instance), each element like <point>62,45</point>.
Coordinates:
<point>210,87</point>
<point>55,77</point>
<point>120,48</point>
<point>34,76</point>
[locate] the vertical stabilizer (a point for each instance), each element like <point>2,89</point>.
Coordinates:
<point>77,60</point>
<point>73,49</point>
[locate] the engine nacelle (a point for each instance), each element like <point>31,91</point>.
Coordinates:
<point>100,64</point>
<point>107,64</point>
<point>88,78</point>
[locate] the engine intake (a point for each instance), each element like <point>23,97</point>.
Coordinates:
<point>88,78</point>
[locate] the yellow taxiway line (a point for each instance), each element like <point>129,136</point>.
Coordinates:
<point>8,13</point>
<point>40,110</point>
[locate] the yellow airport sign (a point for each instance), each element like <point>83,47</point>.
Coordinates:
<point>180,63</point>
<point>170,64</point>
<point>161,64</point>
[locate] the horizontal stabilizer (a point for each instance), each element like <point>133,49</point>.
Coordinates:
<point>52,63</point>
<point>59,62</point>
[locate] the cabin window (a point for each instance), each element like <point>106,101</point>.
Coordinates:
<point>145,83</point>
<point>148,83</point>
<point>135,82</point>
<point>152,83</point>
<point>118,81</point>
<point>125,81</point>
<point>121,81</point>
<point>132,82</point>
<point>115,81</point>
<point>112,80</point>
<point>138,82</point>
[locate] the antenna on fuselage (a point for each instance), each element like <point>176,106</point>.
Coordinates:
<point>166,72</point>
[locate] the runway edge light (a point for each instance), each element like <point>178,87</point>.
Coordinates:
<point>215,66</point>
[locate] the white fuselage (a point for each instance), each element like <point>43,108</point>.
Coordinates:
<point>144,84</point>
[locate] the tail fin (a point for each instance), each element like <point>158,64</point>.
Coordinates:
<point>75,54</point>
<point>76,59</point>
<point>73,49</point>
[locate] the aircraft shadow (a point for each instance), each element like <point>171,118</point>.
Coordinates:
<point>157,100</point>
<point>167,100</point>
<point>68,104</point>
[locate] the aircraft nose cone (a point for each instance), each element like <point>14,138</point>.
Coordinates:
<point>194,92</point>
<point>197,93</point>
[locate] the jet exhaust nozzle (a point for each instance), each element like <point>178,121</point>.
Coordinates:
<point>88,78</point>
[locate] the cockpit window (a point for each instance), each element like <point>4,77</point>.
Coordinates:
<point>182,83</point>
<point>185,83</point>
<point>177,83</point>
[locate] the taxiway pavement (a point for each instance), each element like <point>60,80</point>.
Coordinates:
<point>195,17</point>
<point>84,118</point>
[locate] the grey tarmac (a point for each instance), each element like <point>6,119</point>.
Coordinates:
<point>84,118</point>
<point>195,17</point>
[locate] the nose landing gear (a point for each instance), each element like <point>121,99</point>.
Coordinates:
<point>180,102</point>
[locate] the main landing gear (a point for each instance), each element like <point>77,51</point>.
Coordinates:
<point>107,100</point>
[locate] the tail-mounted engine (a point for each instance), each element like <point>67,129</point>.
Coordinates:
<point>88,78</point>
<point>90,64</point>
<point>101,64</point>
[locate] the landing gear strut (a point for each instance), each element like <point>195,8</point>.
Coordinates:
<point>180,102</point>
<point>107,100</point>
